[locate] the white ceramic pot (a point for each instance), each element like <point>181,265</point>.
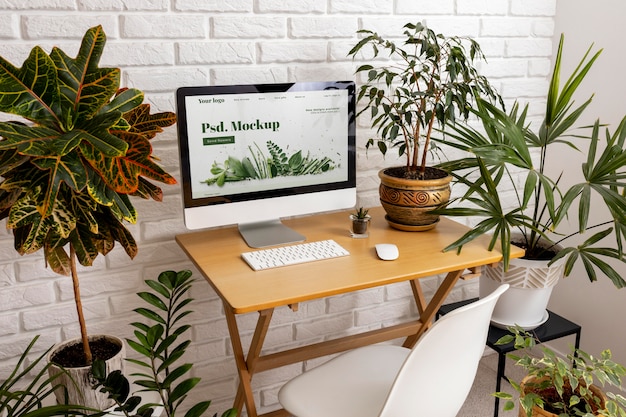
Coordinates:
<point>79,381</point>
<point>525,302</point>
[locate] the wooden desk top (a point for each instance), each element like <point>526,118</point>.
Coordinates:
<point>217,254</point>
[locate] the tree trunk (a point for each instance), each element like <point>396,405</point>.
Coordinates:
<point>79,306</point>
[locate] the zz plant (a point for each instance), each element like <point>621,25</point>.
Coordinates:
<point>68,165</point>
<point>158,342</point>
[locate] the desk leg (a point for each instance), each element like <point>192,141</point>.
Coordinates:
<point>245,367</point>
<point>418,294</point>
<point>428,311</point>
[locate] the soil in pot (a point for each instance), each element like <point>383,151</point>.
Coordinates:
<point>73,356</point>
<point>68,366</point>
<point>403,172</point>
<point>540,253</point>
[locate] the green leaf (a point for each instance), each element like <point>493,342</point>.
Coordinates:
<point>153,300</point>
<point>25,214</point>
<point>158,287</point>
<point>34,140</point>
<point>68,169</point>
<point>97,141</point>
<point>125,101</point>
<point>154,334</point>
<point>175,374</point>
<point>164,344</point>
<point>182,389</point>
<point>151,315</point>
<point>84,87</point>
<point>198,409</point>
<point>138,347</point>
<point>58,260</point>
<point>84,246</point>
<point>31,91</point>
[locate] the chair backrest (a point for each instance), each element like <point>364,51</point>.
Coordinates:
<point>439,372</point>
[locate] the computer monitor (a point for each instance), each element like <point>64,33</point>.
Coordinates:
<point>253,154</point>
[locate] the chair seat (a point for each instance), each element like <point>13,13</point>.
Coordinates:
<point>431,379</point>
<point>366,374</point>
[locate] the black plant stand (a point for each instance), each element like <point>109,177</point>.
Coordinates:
<point>554,328</point>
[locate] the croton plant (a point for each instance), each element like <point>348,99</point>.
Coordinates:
<point>80,148</point>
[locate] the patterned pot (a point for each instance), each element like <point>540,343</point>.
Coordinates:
<point>530,286</point>
<point>407,201</point>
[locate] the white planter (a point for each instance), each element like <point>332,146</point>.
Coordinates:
<point>525,302</point>
<point>79,381</point>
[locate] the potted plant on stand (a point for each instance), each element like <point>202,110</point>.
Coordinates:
<point>68,167</point>
<point>558,387</point>
<point>430,81</point>
<point>535,221</point>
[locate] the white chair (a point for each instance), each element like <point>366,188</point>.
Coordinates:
<point>432,379</point>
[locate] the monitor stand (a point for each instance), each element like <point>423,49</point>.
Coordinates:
<point>268,233</point>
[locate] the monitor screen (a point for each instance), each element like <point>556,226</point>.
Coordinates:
<point>252,154</point>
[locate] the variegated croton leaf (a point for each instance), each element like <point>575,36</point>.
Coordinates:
<point>66,173</point>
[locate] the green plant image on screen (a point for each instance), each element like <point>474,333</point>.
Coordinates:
<point>274,163</point>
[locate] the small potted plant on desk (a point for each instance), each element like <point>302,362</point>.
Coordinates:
<point>430,80</point>
<point>360,219</point>
<point>557,387</point>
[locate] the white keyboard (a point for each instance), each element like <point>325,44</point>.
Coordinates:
<point>293,254</point>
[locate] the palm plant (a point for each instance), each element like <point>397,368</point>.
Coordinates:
<point>507,143</point>
<point>26,391</point>
<point>67,173</point>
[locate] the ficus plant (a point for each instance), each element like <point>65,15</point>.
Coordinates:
<point>430,80</point>
<point>79,149</point>
<point>563,385</point>
<point>507,143</point>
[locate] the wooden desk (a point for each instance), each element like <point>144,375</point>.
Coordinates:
<point>216,253</point>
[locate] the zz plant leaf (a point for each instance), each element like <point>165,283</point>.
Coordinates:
<point>157,341</point>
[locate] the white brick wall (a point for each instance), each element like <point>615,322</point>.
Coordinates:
<point>165,44</point>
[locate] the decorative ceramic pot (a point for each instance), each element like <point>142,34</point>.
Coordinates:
<point>538,412</point>
<point>79,381</point>
<point>407,201</point>
<point>530,285</point>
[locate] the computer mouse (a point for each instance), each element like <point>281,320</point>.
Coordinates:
<point>387,251</point>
